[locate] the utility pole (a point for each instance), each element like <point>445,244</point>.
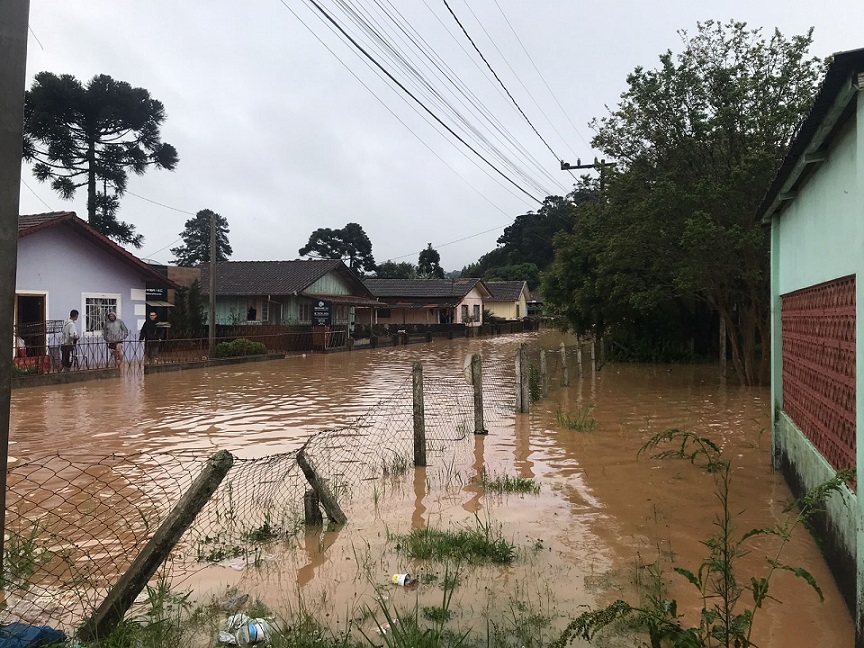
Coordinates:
<point>601,165</point>
<point>211,313</point>
<point>14,15</point>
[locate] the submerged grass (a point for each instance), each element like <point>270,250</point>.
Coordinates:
<point>580,420</point>
<point>482,544</point>
<point>506,484</point>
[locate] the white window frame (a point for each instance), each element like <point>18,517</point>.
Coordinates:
<point>115,308</point>
<point>307,306</point>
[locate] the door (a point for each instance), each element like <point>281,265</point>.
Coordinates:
<point>30,322</point>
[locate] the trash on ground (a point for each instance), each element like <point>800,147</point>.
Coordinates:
<point>384,628</point>
<point>403,580</point>
<point>241,630</point>
<point>21,635</point>
<point>242,562</point>
<point>234,603</point>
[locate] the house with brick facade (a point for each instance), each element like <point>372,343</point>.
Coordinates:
<point>815,210</point>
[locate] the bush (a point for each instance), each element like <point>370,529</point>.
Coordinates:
<point>240,347</point>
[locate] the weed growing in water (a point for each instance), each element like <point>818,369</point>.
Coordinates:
<point>507,484</point>
<point>580,420</point>
<point>725,620</point>
<point>394,466</point>
<point>23,555</point>
<point>482,544</point>
<point>161,624</point>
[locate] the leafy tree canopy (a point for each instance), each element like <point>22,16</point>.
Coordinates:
<point>350,244</point>
<point>92,135</point>
<point>527,272</point>
<point>196,240</point>
<point>429,264</point>
<point>394,270</point>
<point>697,142</point>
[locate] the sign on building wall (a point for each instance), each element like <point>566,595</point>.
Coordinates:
<point>321,313</point>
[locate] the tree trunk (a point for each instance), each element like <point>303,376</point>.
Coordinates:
<point>91,182</point>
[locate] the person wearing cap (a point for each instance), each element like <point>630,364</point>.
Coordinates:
<point>115,332</point>
<point>152,334</point>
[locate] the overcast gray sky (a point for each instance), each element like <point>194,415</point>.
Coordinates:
<point>282,136</point>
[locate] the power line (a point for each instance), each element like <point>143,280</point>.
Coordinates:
<point>464,238</point>
<point>357,45</point>
<point>182,211</point>
<point>400,120</point>
<point>24,182</point>
<point>497,78</point>
<point>540,74</point>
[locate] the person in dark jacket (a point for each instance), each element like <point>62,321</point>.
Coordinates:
<point>152,334</point>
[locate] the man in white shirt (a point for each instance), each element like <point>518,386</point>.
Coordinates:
<point>68,340</point>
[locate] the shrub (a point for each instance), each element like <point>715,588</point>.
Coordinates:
<point>240,347</point>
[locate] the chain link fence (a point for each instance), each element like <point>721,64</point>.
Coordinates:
<point>75,525</point>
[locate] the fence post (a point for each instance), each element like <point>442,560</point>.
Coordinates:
<point>544,375</point>
<point>523,389</point>
<point>477,381</point>
<point>593,357</point>
<point>579,356</point>
<point>312,509</point>
<point>325,495</point>
<point>565,370</point>
<point>156,551</point>
<point>419,416</point>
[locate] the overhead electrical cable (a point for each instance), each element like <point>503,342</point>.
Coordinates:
<point>24,182</point>
<point>381,39</point>
<point>509,94</point>
<point>401,121</point>
<point>363,50</point>
<point>540,74</point>
<point>461,90</point>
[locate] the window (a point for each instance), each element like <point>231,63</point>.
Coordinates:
<point>265,310</point>
<point>464,312</point>
<point>384,313</point>
<point>305,312</point>
<point>517,311</point>
<point>96,309</point>
<point>476,312</point>
<point>341,314</point>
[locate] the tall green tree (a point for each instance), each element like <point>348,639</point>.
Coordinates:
<point>429,263</point>
<point>196,240</point>
<point>394,270</point>
<point>350,243</point>
<point>92,135</point>
<point>697,142</point>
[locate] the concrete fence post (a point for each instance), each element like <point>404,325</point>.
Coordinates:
<point>579,357</point>
<point>544,375</point>
<point>419,416</point>
<point>106,617</point>
<point>565,370</point>
<point>593,357</point>
<point>325,495</point>
<point>477,382</point>
<point>523,389</point>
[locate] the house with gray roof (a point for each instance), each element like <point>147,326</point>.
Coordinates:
<point>429,301</point>
<point>286,292</point>
<point>509,300</point>
<point>64,264</point>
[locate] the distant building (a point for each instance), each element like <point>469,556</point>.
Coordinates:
<point>429,301</point>
<point>509,300</point>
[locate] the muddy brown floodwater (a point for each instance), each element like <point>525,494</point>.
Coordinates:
<point>601,513</point>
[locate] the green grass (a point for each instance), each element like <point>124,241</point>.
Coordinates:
<point>580,420</point>
<point>482,544</point>
<point>507,484</point>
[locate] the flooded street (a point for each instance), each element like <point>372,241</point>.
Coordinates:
<point>602,515</point>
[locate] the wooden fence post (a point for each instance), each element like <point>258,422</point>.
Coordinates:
<point>419,416</point>
<point>477,381</point>
<point>544,375</point>
<point>593,357</point>
<point>523,389</point>
<point>325,495</point>
<point>565,370</point>
<point>312,509</point>
<point>106,617</point>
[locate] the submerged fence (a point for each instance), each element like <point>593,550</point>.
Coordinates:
<point>76,525</point>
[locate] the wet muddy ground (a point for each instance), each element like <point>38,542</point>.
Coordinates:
<point>603,512</point>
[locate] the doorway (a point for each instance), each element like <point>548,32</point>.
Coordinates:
<point>30,322</point>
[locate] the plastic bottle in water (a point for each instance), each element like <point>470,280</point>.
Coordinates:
<point>253,632</point>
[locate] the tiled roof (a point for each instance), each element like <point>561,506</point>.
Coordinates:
<point>29,224</point>
<point>276,277</point>
<point>509,291</point>
<point>421,287</point>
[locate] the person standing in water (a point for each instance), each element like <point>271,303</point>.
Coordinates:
<point>115,332</point>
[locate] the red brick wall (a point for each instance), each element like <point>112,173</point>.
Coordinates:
<point>818,332</point>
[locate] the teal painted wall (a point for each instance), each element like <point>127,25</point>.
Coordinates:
<point>329,284</point>
<point>820,237</point>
